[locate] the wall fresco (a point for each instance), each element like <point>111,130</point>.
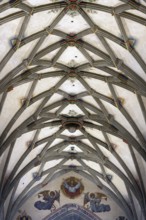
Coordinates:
<point>72,187</point>
<point>93,202</point>
<point>48,197</point>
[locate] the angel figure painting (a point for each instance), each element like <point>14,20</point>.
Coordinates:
<point>48,197</point>
<point>93,202</point>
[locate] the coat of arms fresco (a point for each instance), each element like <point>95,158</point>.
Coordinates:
<point>72,187</point>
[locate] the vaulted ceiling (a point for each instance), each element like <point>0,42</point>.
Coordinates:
<point>73,98</point>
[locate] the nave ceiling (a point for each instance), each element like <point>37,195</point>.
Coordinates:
<point>73,98</point>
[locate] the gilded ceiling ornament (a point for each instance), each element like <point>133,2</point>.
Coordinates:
<point>72,187</point>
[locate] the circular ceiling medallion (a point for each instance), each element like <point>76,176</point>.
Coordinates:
<point>72,187</point>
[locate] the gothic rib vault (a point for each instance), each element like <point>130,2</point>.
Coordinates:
<point>73,98</point>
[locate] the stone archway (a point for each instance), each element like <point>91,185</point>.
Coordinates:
<point>72,212</point>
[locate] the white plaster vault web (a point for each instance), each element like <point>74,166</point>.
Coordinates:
<point>72,73</point>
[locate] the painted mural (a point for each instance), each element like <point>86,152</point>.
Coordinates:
<point>93,202</point>
<point>48,197</point>
<point>23,216</point>
<point>72,187</point>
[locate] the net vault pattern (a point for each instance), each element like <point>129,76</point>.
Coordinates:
<point>38,113</point>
